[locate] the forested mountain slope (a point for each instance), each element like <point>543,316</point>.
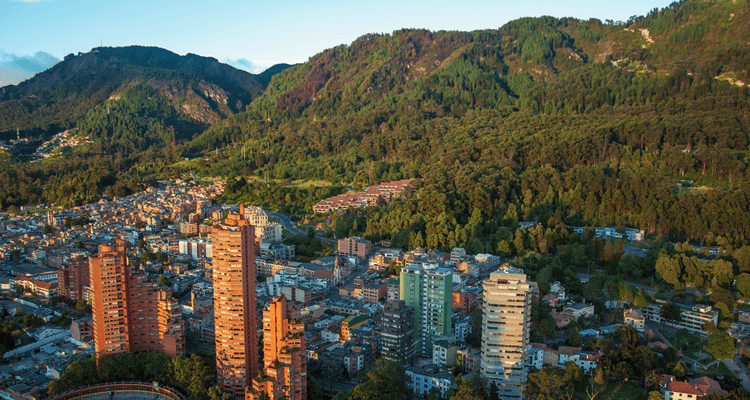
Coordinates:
<point>133,107</point>
<point>554,120</point>
<point>200,88</point>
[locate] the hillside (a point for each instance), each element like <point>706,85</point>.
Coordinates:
<point>199,88</point>
<point>131,109</point>
<point>553,120</point>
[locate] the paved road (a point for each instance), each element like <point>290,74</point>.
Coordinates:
<point>740,371</point>
<point>124,395</point>
<point>289,225</point>
<point>651,291</point>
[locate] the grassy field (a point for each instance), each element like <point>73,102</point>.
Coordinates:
<point>693,344</point>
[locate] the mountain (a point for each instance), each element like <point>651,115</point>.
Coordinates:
<point>584,122</point>
<point>200,88</point>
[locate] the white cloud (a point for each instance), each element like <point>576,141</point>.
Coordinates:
<point>254,67</point>
<point>15,69</point>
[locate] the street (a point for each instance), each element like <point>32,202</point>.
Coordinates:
<point>290,226</point>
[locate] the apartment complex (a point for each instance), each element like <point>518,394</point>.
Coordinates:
<point>505,331</point>
<point>74,278</point>
<point>355,246</point>
<point>130,311</point>
<point>693,318</point>
<point>428,289</point>
<point>397,336</point>
<point>235,319</point>
<point>284,357</point>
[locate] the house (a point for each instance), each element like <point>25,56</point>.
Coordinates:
<point>676,390</point>
<point>580,310</point>
<point>634,318</point>
<point>563,319</point>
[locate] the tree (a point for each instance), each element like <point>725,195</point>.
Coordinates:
<point>465,391</point>
<point>743,284</point>
<point>721,346</point>
<point>594,386</point>
<point>81,305</point>
<point>217,393</point>
<point>494,393</point>
<point>311,233</point>
<point>384,382</point>
<point>314,391</point>
<point>671,312</point>
<point>332,371</point>
<point>575,338</point>
<point>164,281</point>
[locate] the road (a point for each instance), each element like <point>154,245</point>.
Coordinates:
<point>290,226</point>
<point>651,291</point>
<point>740,371</point>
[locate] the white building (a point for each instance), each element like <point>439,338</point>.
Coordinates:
<point>505,331</point>
<point>420,381</point>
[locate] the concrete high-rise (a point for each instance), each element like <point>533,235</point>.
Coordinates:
<point>284,356</point>
<point>429,290</point>
<point>130,311</point>
<point>235,321</point>
<point>505,330</point>
<point>397,332</point>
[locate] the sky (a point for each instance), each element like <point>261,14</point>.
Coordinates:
<point>250,34</point>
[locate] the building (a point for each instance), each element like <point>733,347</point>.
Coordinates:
<point>470,359</point>
<point>397,332</point>
<point>635,319</point>
<point>235,312</point>
<point>130,311</point>
<point>373,292</point>
<point>74,278</point>
<point>355,246</point>
<point>284,356</point>
<point>580,310</point>
<point>444,353</point>
<point>693,318</point>
<point>421,380</point>
<point>505,331</point>
<point>351,322</point>
<point>429,291</point>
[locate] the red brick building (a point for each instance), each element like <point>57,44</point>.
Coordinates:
<point>374,292</point>
<point>131,312</point>
<point>74,277</point>
<point>355,246</point>
<point>284,356</point>
<point>235,319</point>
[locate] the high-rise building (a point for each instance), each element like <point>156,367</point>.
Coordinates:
<point>397,332</point>
<point>235,321</point>
<point>505,330</point>
<point>428,289</point>
<point>284,357</point>
<point>130,311</point>
<point>74,278</point>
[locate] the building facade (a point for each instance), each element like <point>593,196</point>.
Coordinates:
<point>130,311</point>
<point>693,318</point>
<point>397,332</point>
<point>235,312</point>
<point>505,331</point>
<point>74,278</point>
<point>284,356</point>
<point>355,246</point>
<point>429,291</point>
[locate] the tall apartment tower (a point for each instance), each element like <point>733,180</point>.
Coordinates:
<point>234,303</point>
<point>505,330</point>
<point>130,311</point>
<point>429,290</point>
<point>397,332</point>
<point>284,356</point>
<point>75,278</point>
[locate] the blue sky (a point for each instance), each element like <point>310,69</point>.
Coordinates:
<point>253,34</point>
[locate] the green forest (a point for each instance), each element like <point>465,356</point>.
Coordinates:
<point>565,122</point>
